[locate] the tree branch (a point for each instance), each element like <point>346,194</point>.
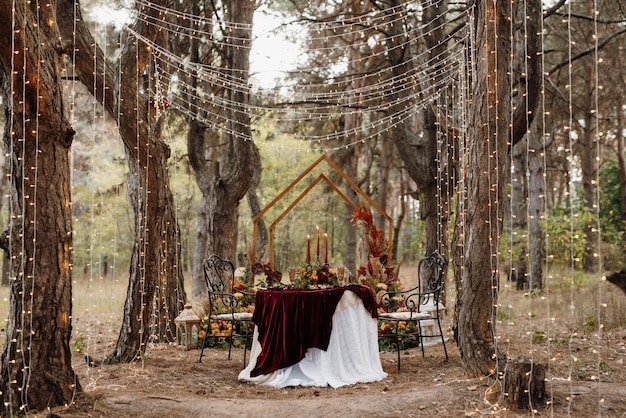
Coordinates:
<point>587,51</point>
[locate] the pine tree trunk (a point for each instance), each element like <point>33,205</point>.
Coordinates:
<point>152,288</point>
<point>434,195</point>
<point>155,291</point>
<point>618,279</point>
<point>223,157</point>
<point>420,154</point>
<point>255,207</point>
<point>36,362</point>
<point>587,155</point>
<point>200,251</point>
<point>519,218</point>
<point>536,206</point>
<point>349,164</point>
<point>619,138</point>
<point>486,175</point>
<point>155,262</point>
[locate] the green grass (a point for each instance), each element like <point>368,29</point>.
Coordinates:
<point>98,304</point>
<point>97,308</point>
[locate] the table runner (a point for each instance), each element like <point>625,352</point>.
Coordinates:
<point>291,321</point>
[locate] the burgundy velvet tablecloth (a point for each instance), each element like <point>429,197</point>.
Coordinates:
<point>291,321</point>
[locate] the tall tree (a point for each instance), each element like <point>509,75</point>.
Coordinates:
<point>526,186</point>
<point>486,174</point>
<point>155,291</point>
<point>224,158</point>
<point>539,142</point>
<point>36,361</point>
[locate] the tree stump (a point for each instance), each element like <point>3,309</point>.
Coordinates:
<point>524,384</point>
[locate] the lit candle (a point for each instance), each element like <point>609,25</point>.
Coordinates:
<point>308,249</point>
<point>318,242</point>
<point>325,248</point>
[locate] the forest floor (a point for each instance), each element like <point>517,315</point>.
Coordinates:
<point>171,383</point>
<point>585,374</point>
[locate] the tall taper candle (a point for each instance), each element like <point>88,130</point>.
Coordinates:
<point>308,249</point>
<point>325,248</point>
<point>318,243</point>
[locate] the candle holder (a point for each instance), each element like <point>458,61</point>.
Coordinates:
<point>187,328</point>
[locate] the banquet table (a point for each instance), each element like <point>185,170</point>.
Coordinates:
<point>321,337</point>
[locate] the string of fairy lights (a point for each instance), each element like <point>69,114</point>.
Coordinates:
<point>544,209</point>
<point>422,86</point>
<point>493,175</point>
<point>193,29</point>
<point>407,92</point>
<point>377,20</point>
<point>570,147</point>
<point>505,301</point>
<point>601,303</point>
<point>393,100</point>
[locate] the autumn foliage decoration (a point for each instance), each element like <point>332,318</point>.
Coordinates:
<point>376,272</point>
<point>377,245</point>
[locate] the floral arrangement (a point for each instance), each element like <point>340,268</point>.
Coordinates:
<point>374,237</point>
<point>260,274</point>
<point>407,331</point>
<point>218,328</point>
<point>376,273</point>
<point>243,290</point>
<point>315,276</point>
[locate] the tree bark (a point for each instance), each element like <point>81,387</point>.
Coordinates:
<point>536,204</point>
<point>224,164</point>
<point>200,250</point>
<point>255,207</point>
<point>619,138</point>
<point>587,156</point>
<point>530,76</point>
<point>155,262</point>
<point>154,266</point>
<point>434,195</point>
<point>36,361</point>
<point>524,384</point>
<point>618,279</point>
<point>349,164</point>
<point>486,174</point>
<point>353,253</point>
<point>420,154</point>
<point>237,166</point>
<point>519,218</point>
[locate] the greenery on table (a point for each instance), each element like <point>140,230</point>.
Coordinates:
<point>315,276</point>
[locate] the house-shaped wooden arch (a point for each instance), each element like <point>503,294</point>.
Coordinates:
<point>319,178</point>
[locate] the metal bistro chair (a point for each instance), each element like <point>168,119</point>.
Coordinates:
<point>226,303</point>
<point>419,305</point>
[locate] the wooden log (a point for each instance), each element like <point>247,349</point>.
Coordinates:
<point>524,384</point>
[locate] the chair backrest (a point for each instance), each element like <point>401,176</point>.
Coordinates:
<point>430,273</point>
<point>219,275</point>
<point>424,295</point>
<point>429,284</point>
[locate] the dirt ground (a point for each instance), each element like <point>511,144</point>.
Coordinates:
<point>585,373</point>
<point>171,383</point>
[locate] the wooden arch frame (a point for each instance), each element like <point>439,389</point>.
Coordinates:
<point>319,178</point>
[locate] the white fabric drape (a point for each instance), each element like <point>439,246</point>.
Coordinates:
<point>352,355</point>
